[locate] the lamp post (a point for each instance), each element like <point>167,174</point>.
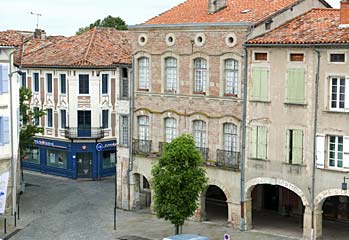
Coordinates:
<point>115,182</point>
<point>344,184</point>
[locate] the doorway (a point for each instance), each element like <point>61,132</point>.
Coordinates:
<point>84,123</point>
<point>84,164</point>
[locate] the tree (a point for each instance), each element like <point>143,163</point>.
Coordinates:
<point>112,22</point>
<point>179,178</point>
<point>28,118</point>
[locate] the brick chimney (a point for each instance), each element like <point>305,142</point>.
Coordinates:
<point>40,34</point>
<point>344,12</point>
<point>216,5</point>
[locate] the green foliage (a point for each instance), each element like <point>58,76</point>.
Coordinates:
<point>179,178</point>
<point>28,129</point>
<point>111,22</point>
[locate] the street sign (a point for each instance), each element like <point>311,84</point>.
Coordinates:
<point>99,147</point>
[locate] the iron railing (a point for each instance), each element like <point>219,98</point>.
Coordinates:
<point>228,159</point>
<point>84,133</point>
<point>204,152</point>
<point>141,146</point>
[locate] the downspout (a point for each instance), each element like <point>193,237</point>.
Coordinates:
<point>243,226</point>
<point>130,162</point>
<point>317,76</point>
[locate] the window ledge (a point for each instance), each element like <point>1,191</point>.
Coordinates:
<point>344,170</point>
<point>295,165</point>
<point>259,159</point>
<point>230,95</point>
<point>296,104</point>
<point>200,93</point>
<point>336,111</point>
<point>143,90</point>
<point>260,101</point>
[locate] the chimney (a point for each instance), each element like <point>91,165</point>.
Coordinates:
<point>216,5</point>
<point>344,12</point>
<point>40,34</point>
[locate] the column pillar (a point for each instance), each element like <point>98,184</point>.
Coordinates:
<point>248,215</point>
<point>318,224</point>
<point>307,231</point>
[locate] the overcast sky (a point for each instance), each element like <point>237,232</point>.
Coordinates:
<point>64,17</point>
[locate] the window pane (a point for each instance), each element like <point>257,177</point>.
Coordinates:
<point>49,82</point>
<point>200,74</point>
<point>56,158</point>
<point>109,158</point>
<point>105,118</point>
<point>231,76</point>
<point>63,83</point>
<point>170,129</point>
<point>105,83</point>
<point>171,74</point>
<point>143,64</point>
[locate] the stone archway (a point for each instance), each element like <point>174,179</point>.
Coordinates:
<point>141,191</point>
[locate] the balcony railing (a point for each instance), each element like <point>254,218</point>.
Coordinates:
<point>84,133</point>
<point>204,152</point>
<point>141,146</point>
<point>228,159</point>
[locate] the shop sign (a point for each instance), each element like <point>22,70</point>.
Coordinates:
<point>3,191</point>
<point>48,144</point>
<point>101,146</point>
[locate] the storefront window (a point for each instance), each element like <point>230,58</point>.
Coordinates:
<point>109,159</point>
<point>32,155</point>
<point>56,158</point>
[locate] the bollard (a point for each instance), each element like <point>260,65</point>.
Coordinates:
<point>15,219</point>
<point>18,209</point>
<point>5,226</point>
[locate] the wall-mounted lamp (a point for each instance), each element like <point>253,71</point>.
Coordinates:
<point>344,184</point>
<point>192,45</point>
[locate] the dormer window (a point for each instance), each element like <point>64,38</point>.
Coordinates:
<point>216,5</point>
<point>268,25</point>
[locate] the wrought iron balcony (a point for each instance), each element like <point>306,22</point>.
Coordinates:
<point>228,159</point>
<point>141,146</point>
<point>84,133</point>
<point>204,152</point>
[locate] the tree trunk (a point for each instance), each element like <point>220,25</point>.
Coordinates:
<point>180,229</point>
<point>176,229</point>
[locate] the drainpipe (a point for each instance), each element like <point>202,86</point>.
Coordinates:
<point>130,162</point>
<point>317,76</point>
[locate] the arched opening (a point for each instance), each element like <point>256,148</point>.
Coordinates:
<point>142,192</point>
<point>278,210</point>
<point>216,205</point>
<point>335,217</point>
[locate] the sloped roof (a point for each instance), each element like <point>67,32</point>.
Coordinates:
<point>98,47</point>
<point>10,38</point>
<point>237,11</point>
<point>317,26</point>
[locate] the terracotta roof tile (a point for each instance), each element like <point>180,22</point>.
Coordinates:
<point>10,38</point>
<point>196,11</point>
<point>317,26</point>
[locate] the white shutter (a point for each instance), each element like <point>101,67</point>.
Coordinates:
<point>6,129</point>
<point>4,87</point>
<point>320,151</point>
<point>346,152</point>
<point>346,97</point>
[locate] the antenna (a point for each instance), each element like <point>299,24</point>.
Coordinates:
<point>37,18</point>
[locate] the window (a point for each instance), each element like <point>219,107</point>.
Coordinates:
<point>49,117</point>
<point>231,77</point>
<point>84,84</point>
<point>4,130</point>
<point>230,137</point>
<point>294,146</point>
<point>63,83</point>
<point>36,82</point>
<point>36,119</point>
<point>49,82</point>
<point>295,85</point>
<point>56,158</point>
<point>124,84</point>
<point>143,71</point>
<point>268,24</point>
<point>338,97</point>
<point>109,158</point>
<point>296,57</point>
<point>105,119</point>
<point>3,78</point>
<point>170,74</point>
<point>170,129</point>
<point>260,56</point>
<point>260,84</point>
<point>24,79</point>
<point>32,155</point>
<point>124,130</point>
<point>337,57</point>
<point>105,78</point>
<point>199,132</point>
<point>63,119</point>
<point>143,128</point>
<point>200,75</point>
<point>335,152</point>
<point>258,142</point>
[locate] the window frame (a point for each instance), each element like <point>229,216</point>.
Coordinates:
<point>49,83</point>
<point>63,119</point>
<point>61,80</point>
<point>235,77</point>
<point>105,119</point>
<point>200,85</point>
<point>199,133</point>
<point>335,152</point>
<point>290,136</point>
<point>105,83</point>
<point>36,82</point>
<point>338,93</point>
<point>230,138</point>
<point>122,85</point>
<point>171,70</point>
<point>170,129</point>
<point>143,73</point>
<point>49,117</point>
<point>143,128</point>
<point>124,130</point>
<point>82,84</point>
<point>330,54</point>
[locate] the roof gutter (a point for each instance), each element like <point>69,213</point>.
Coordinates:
<point>77,67</point>
<point>207,24</point>
<point>287,45</point>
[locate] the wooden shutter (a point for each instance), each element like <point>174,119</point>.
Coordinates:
<point>264,84</point>
<point>6,130</point>
<point>262,143</point>
<point>297,147</point>
<point>256,75</point>
<point>260,84</point>
<point>346,152</point>
<point>346,94</point>
<point>295,85</point>
<point>253,142</point>
<point>4,79</point>
<point>320,151</point>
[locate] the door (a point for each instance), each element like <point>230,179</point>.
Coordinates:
<point>271,197</point>
<point>84,123</point>
<point>84,164</point>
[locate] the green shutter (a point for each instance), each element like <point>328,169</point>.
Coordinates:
<point>288,160</point>
<point>262,143</point>
<point>256,75</point>
<point>264,84</point>
<point>253,142</point>
<point>297,147</point>
<point>295,85</point>
<point>260,84</point>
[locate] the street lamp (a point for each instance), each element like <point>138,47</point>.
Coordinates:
<point>344,184</point>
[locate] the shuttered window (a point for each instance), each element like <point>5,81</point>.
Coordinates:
<point>295,85</point>
<point>124,84</point>
<point>143,128</point>
<point>294,146</point>
<point>124,130</point>
<point>260,84</point>
<point>258,142</point>
<point>3,79</point>
<point>339,94</point>
<point>4,130</point>
<point>143,72</point>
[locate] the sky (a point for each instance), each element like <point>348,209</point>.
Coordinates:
<point>65,17</point>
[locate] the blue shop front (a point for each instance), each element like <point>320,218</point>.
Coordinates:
<point>92,160</point>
